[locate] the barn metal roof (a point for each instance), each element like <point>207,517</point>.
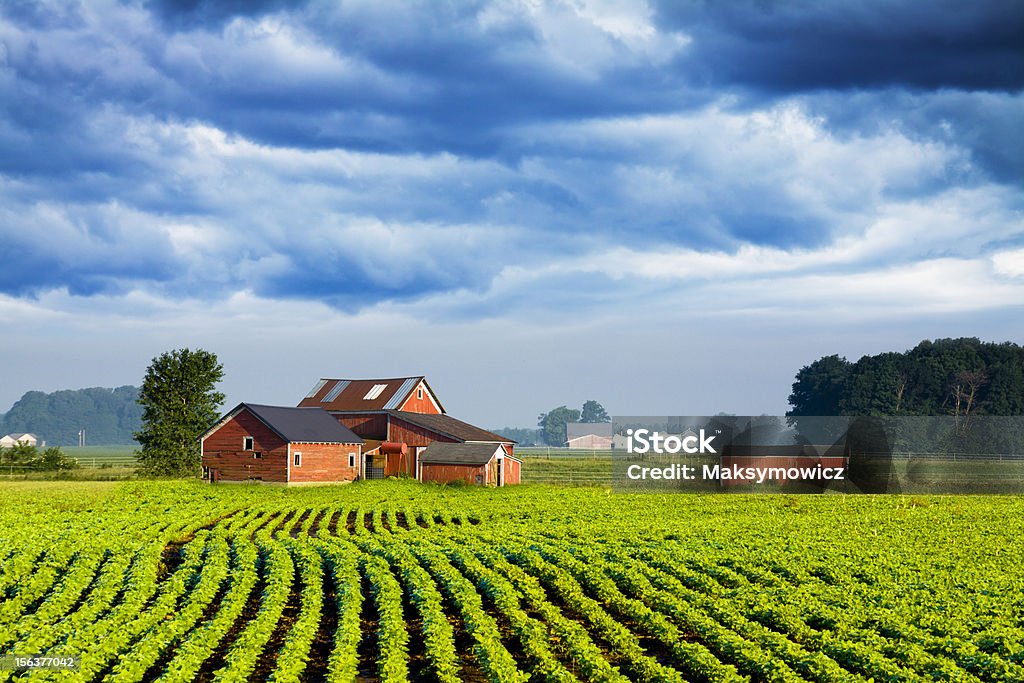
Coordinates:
<point>301,425</point>
<point>459,453</point>
<point>365,394</point>
<point>449,426</point>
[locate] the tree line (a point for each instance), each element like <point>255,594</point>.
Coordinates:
<point>109,416</point>
<point>958,377</point>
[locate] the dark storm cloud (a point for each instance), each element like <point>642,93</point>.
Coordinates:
<point>359,153</point>
<point>183,14</point>
<point>987,123</point>
<point>789,47</point>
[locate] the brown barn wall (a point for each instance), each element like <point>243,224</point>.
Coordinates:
<point>367,425</point>
<point>222,451</point>
<point>414,435</point>
<point>324,462</point>
<point>392,464</point>
<point>445,473</point>
<point>396,463</point>
<point>229,436</point>
<point>241,466</point>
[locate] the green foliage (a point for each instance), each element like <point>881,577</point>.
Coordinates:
<point>959,377</point>
<point>594,412</point>
<point>178,581</point>
<point>52,459</point>
<point>179,401</point>
<point>109,416</point>
<point>523,436</point>
<point>552,424</point>
<point>819,387</point>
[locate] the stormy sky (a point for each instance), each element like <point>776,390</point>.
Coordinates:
<point>667,207</point>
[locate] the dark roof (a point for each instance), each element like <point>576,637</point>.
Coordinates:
<point>449,426</point>
<point>351,394</point>
<point>301,425</point>
<point>459,453</point>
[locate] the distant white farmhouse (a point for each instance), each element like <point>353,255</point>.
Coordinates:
<point>592,435</point>
<point>13,439</point>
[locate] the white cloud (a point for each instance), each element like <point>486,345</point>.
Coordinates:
<point>582,38</point>
<point>1009,263</point>
<point>714,160</point>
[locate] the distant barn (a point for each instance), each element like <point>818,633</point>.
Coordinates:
<point>24,438</point>
<point>592,435</point>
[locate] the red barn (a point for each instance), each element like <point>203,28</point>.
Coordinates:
<point>474,463</point>
<point>282,445</point>
<point>399,418</point>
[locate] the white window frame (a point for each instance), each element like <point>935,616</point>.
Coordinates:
<point>351,459</point>
<point>248,443</point>
<point>419,393</point>
<point>297,458</point>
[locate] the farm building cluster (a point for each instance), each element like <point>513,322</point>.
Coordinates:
<point>23,438</point>
<point>346,429</point>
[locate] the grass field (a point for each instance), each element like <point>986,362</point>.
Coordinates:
<point>95,456</point>
<point>396,581</point>
<point>581,468</point>
<point>96,463</point>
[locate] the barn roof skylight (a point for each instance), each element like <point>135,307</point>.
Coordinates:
<point>375,391</point>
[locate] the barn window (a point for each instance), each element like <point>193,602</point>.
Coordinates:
<point>257,454</point>
<point>206,472</point>
<point>419,392</point>
<point>375,392</point>
<point>247,443</point>
<point>297,459</point>
<point>351,459</point>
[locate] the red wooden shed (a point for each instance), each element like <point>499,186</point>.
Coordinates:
<point>484,463</point>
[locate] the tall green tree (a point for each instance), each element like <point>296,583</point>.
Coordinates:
<point>594,412</point>
<point>820,387</point>
<point>552,424</point>
<point>180,401</point>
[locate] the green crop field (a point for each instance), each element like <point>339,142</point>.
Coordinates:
<point>93,456</point>
<point>396,581</point>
